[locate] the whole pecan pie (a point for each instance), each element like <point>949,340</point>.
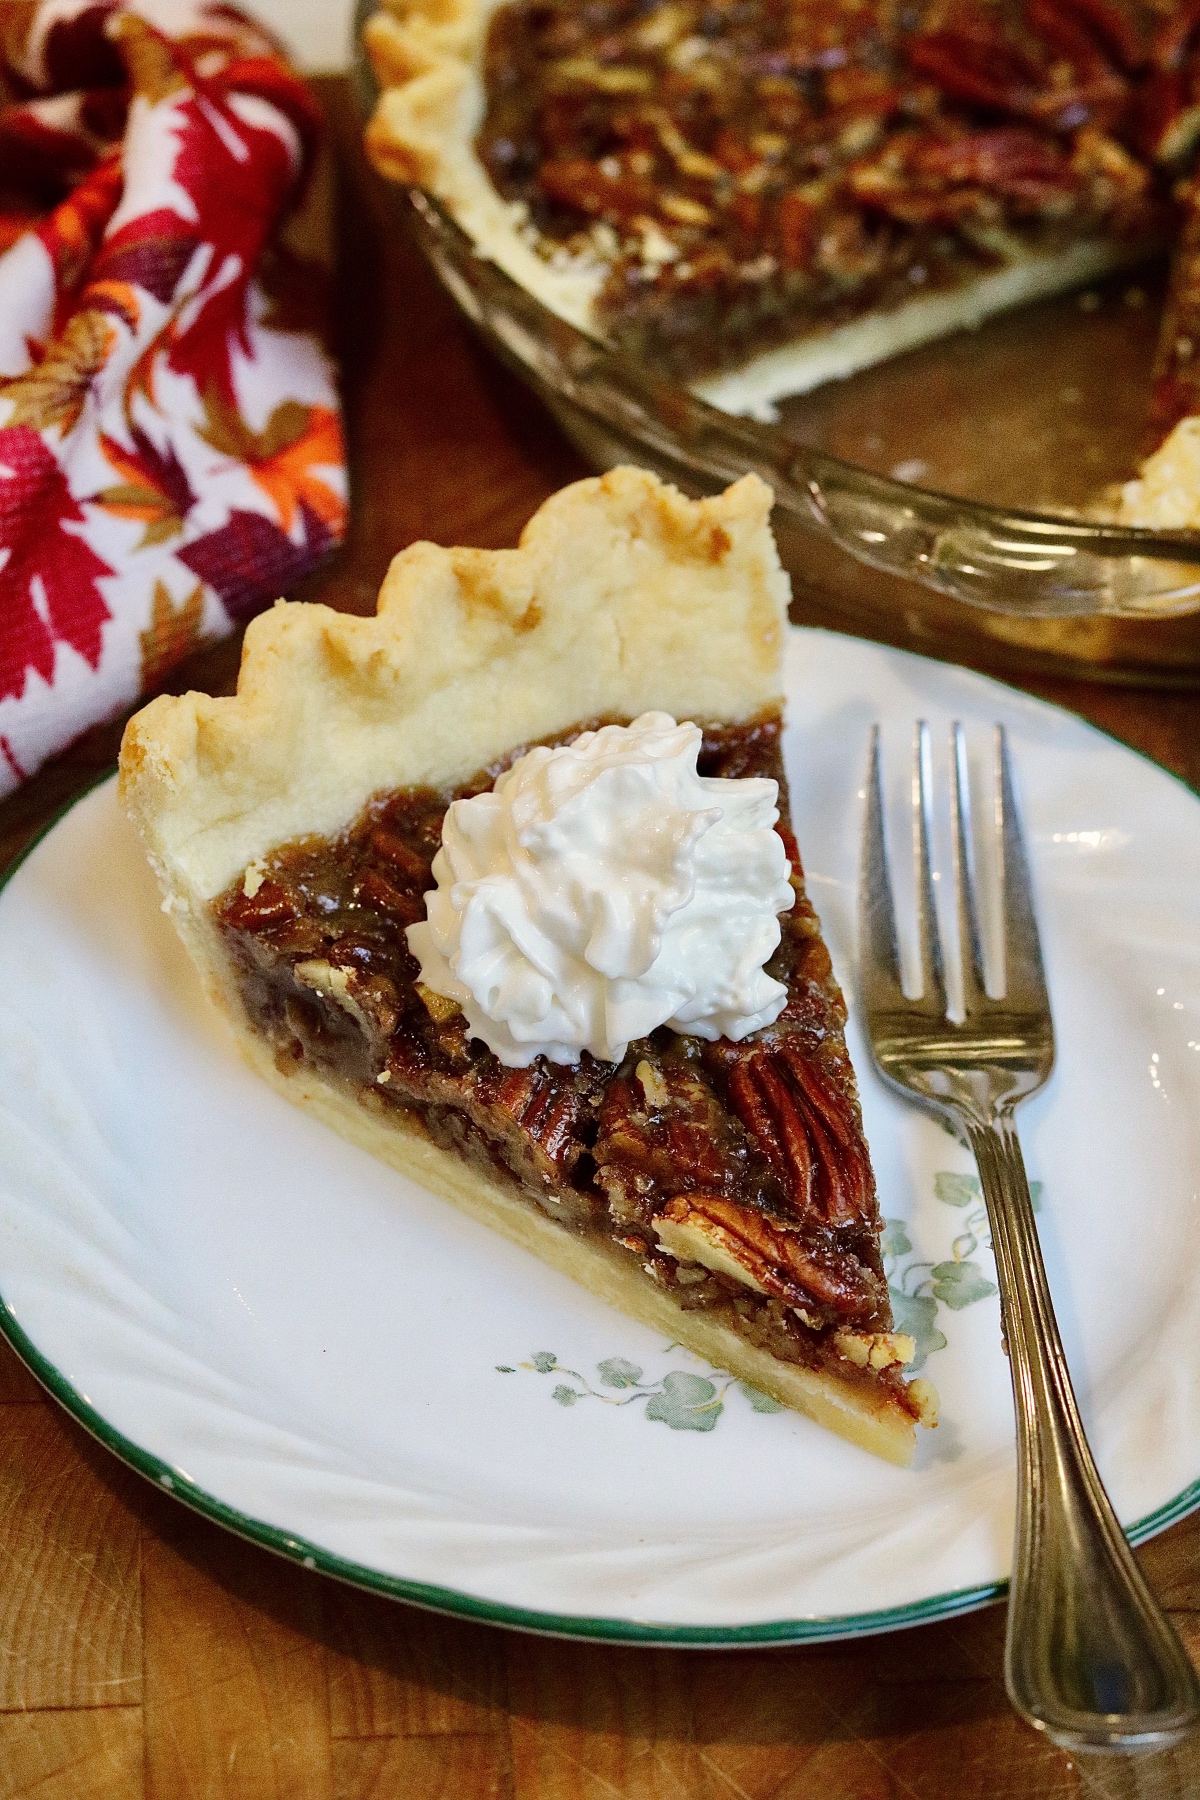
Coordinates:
<point>719,1190</point>
<point>758,195</point>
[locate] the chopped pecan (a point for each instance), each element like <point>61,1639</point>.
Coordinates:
<point>618,196</point>
<point>855,90</point>
<point>847,248</point>
<point>732,150</point>
<point>875,1349</point>
<point>797,229</point>
<point>379,892</point>
<point>685,211</point>
<point>437,1005</point>
<point>589,73</point>
<point>368,999</point>
<point>408,862</point>
<point>268,905</point>
<point>653,1087</point>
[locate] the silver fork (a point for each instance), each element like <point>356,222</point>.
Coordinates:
<point>1090,1658</point>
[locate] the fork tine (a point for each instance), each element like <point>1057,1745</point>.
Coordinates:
<point>1024,976</point>
<point>933,980</point>
<point>974,990</point>
<point>879,946</point>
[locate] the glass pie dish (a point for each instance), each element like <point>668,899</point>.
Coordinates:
<point>946,500</point>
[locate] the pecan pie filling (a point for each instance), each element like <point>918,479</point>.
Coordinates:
<point>749,170</point>
<point>754,1149</point>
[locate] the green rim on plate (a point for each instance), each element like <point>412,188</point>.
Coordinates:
<point>450,1600</point>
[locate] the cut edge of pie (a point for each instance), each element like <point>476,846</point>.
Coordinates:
<point>427,55</point>
<point>861,1414</point>
<point>471,654</point>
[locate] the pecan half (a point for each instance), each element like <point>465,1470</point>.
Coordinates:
<point>1112,28</point>
<point>533,1115</point>
<point>666,1131</point>
<point>772,1259</point>
<point>1166,110</point>
<point>973,61</point>
<point>807,1131</point>
<point>1069,68</point>
<point>544,1108</point>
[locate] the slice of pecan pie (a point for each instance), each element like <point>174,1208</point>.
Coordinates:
<point>759,196</point>
<point>719,1190</point>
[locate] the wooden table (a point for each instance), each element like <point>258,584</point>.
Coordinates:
<point>145,1651</point>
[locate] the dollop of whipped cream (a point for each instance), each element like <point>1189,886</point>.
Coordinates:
<point>604,888</point>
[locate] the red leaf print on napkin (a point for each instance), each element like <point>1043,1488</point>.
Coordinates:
<point>75,228</point>
<point>249,561</point>
<point>48,574</point>
<point>152,251</point>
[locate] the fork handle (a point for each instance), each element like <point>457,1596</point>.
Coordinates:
<point>1090,1658</point>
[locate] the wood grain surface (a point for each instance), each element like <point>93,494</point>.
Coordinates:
<point>145,1651</point>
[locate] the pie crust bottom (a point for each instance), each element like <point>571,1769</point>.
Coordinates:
<point>866,1416</point>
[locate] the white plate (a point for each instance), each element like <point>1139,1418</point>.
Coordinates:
<point>299,1342</point>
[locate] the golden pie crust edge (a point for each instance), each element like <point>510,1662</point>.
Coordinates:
<point>428,59</point>
<point>471,652</point>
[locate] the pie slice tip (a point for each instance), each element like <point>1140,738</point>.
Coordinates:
<point>720,1192</point>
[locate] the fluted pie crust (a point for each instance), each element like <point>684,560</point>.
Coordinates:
<point>623,597</point>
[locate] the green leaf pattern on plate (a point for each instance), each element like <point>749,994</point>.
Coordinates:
<point>916,1314</point>
<point>759,1401</point>
<point>957,1190</point>
<point>680,1400</point>
<point>918,1288</point>
<point>958,1284</point>
<point>615,1372</point>
<point>688,1402</point>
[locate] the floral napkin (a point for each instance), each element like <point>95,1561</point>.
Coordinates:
<point>171,453</point>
